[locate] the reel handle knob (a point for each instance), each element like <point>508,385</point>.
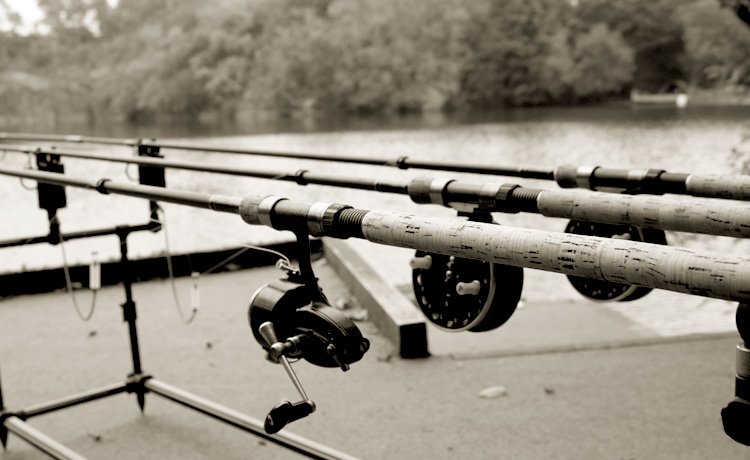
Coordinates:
<point>422,263</point>
<point>286,412</point>
<point>276,349</point>
<point>268,332</point>
<point>472,288</point>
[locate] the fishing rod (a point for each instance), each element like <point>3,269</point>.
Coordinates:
<point>640,218</point>
<point>631,181</point>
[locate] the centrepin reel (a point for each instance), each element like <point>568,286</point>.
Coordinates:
<point>457,294</point>
<point>599,290</point>
<point>291,318</point>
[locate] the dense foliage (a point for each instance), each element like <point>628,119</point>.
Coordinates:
<point>186,57</point>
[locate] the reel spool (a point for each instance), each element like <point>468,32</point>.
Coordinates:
<point>607,291</point>
<point>458,294</point>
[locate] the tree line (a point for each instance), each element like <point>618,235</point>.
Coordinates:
<point>143,58</point>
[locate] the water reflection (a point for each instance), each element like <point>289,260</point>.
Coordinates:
<point>246,124</point>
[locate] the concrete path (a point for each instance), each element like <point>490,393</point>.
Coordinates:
<point>567,395</point>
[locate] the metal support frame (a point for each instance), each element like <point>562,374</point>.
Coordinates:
<point>14,421</point>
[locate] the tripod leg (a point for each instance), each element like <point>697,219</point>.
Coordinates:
<point>130,315</point>
<point>3,430</point>
<point>141,396</point>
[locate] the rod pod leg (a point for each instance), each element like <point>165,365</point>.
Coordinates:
<point>3,429</point>
<point>130,316</point>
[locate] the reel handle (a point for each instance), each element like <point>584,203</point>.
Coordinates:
<point>286,412</point>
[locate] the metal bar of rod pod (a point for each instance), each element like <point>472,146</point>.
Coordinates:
<point>299,444</point>
<point>40,440</point>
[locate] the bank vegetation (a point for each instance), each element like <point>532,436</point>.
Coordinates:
<point>145,58</point>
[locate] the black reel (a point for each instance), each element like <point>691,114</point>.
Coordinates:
<point>324,336</point>
<point>457,294</point>
<point>291,318</point>
<point>607,291</point>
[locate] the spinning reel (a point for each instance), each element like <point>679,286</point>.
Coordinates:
<point>599,290</point>
<point>291,318</point>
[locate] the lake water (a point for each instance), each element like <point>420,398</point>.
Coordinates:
<point>696,139</point>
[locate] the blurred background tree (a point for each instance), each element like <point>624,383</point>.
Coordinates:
<point>142,59</point>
